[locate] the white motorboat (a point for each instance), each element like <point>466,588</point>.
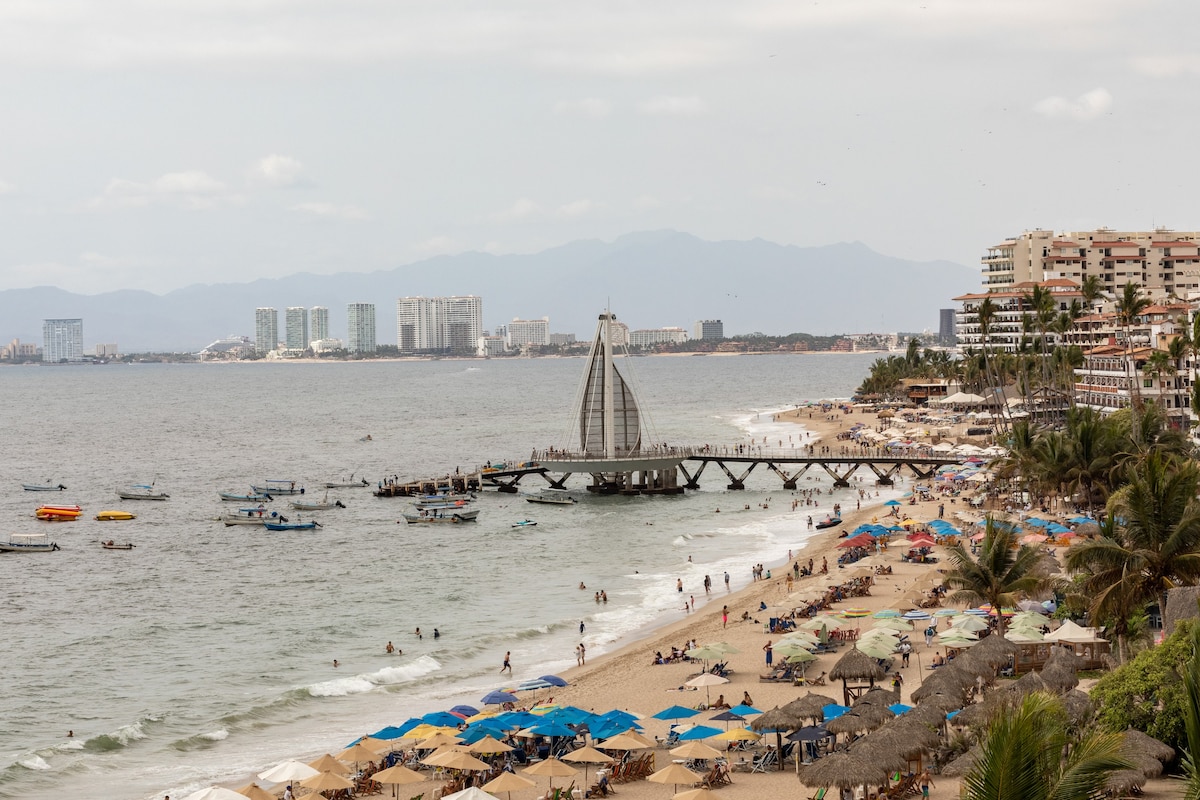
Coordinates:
<point>142,491</point>
<point>28,543</point>
<point>551,497</point>
<point>441,515</point>
<point>249,516</point>
<point>349,483</point>
<point>43,487</point>
<point>278,487</point>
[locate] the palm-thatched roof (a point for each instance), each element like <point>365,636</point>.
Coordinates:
<point>993,649</point>
<point>1062,657</point>
<point>776,720</point>
<point>944,703</point>
<point>1059,678</point>
<point>1028,683</point>
<point>873,712</point>
<point>1138,742</point>
<point>949,680</point>
<point>856,665</point>
<point>851,723</point>
<point>905,739</point>
<point>877,696</point>
<point>811,705</point>
<point>973,715</point>
<point>1121,781</point>
<point>963,764</point>
<point>1079,706</point>
<point>843,770</point>
<point>929,714</point>
<point>881,753</point>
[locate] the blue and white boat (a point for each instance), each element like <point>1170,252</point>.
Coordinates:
<point>246,498</point>
<point>250,516</point>
<point>43,487</point>
<point>142,491</point>
<point>28,543</point>
<point>283,525</point>
<point>278,487</point>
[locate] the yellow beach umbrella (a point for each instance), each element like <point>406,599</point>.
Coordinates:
<point>551,768</point>
<point>676,774</point>
<point>326,781</point>
<point>398,775</point>
<point>588,755</point>
<point>490,745</point>
<point>328,763</point>
<point>508,782</point>
<point>357,753</point>
<point>696,749</point>
<point>256,792</point>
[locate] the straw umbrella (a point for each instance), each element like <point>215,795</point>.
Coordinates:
<point>508,782</point>
<point>590,755</point>
<point>1122,782</point>
<point>325,781</point>
<point>696,750</point>
<point>624,741</point>
<point>256,792</point>
<point>777,720</point>
<point>676,774</point>
<point>328,763</point>
<point>358,753</point>
<point>456,759</point>
<point>1136,741</point>
<point>697,794</point>
<point>489,745</point>
<point>858,666</point>
<point>398,775</point>
<point>551,768</point>
<point>811,706</point>
<point>843,770</point>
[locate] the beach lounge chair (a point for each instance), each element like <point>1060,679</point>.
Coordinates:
<point>765,762</point>
<point>820,795</point>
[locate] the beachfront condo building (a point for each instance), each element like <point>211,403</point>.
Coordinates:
<point>709,329</point>
<point>319,327</point>
<point>296,327</point>
<point>266,330</point>
<point>649,337</point>
<point>522,332</point>
<point>1011,325</point>
<point>360,325</point>
<point>62,341</point>
<point>439,324</point>
<point>1162,261</point>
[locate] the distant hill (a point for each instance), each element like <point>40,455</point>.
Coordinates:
<point>649,279</point>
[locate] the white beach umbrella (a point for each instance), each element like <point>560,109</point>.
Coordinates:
<point>290,770</point>
<point>215,793</point>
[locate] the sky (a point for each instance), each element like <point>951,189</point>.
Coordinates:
<point>154,144</point>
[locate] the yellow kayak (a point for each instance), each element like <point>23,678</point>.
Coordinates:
<point>107,515</point>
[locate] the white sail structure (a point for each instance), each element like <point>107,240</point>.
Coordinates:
<point>609,424</point>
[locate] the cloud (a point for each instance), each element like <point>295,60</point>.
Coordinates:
<point>592,107</point>
<point>577,208</point>
<point>1088,105</point>
<point>673,106</point>
<point>191,189</point>
<point>276,170</point>
<point>522,209</point>
<point>331,210</point>
<point>1167,66</point>
<point>646,203</point>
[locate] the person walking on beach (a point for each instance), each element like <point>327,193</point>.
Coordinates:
<point>582,654</point>
<point>925,782</point>
<point>724,616</point>
<point>581,626</point>
<point>579,655</point>
<point>507,664</point>
<point>767,650</point>
<point>727,580</point>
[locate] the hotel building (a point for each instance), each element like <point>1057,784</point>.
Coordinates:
<point>439,324</point>
<point>360,325</point>
<point>266,330</point>
<point>296,323</point>
<point>62,340</point>
<point>319,327</point>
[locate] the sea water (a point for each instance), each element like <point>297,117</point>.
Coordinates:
<point>206,653</point>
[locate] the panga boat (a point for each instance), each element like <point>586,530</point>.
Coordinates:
<point>316,505</point>
<point>249,516</point>
<point>28,543</point>
<point>349,483</point>
<point>43,487</point>
<point>57,513</point>
<point>276,487</point>
<point>111,545</point>
<point>141,491</point>
<point>114,514</point>
<point>291,526</point>
<point>551,497</point>
<point>439,505</point>
<point>441,515</point>
<point>525,523</point>
<point>246,498</point>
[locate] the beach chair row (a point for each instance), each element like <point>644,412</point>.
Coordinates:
<point>635,769</point>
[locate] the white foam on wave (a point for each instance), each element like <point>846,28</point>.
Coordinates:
<point>34,762</point>
<point>388,676</point>
<point>215,736</point>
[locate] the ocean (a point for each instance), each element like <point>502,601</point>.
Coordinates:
<point>206,653</point>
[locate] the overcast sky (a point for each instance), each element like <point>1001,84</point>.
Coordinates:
<point>153,144</point>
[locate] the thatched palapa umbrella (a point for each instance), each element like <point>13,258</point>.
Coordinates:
<point>856,665</point>
<point>1122,782</point>
<point>963,764</point>
<point>777,720</point>
<point>1138,742</point>
<point>1059,678</point>
<point>949,680</point>
<point>843,770</point>
<point>811,706</point>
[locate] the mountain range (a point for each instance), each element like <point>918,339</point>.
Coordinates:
<point>649,280</point>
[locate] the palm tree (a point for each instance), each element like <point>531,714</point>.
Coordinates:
<point>1154,547</point>
<point>1191,720</point>
<point>1002,572</point>
<point>1130,305</point>
<point>1027,753</point>
<point>987,312</point>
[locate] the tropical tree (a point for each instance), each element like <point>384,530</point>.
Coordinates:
<point>1155,546</point>
<point>1027,753</point>
<point>1191,719</point>
<point>1130,305</point>
<point>1002,572</point>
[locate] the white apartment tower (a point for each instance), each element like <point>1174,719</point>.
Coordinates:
<point>439,324</point>
<point>319,327</point>
<point>266,330</point>
<point>296,327</point>
<point>523,332</point>
<point>62,340</point>
<point>360,324</point>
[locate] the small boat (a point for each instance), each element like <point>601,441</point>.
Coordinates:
<point>444,515</point>
<point>448,497</point>
<point>114,514</point>
<point>57,513</point>
<point>291,526</point>
<point>141,491</point>
<point>43,487</point>
<point>439,505</point>
<point>111,545</point>
<point>829,522</point>
<point>249,516</point>
<point>246,498</point>
<point>350,483</point>
<point>551,497</point>
<point>28,543</point>
<point>524,523</point>
<point>316,505</point>
<point>277,487</point>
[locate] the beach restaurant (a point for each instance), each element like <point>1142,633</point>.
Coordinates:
<point>1085,643</point>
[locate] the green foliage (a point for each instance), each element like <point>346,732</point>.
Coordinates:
<point>1191,718</point>
<point>1147,693</point>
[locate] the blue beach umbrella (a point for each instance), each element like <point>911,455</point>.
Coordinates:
<point>916,614</point>
<point>745,710</point>
<point>553,680</point>
<point>833,711</point>
<point>899,708</point>
<point>469,711</point>
<point>442,718</point>
<point>699,732</point>
<point>892,503</point>
<point>552,729</point>
<point>533,683</point>
<point>498,697</point>
<point>676,712</point>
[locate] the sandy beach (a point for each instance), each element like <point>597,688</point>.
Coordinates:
<point>628,678</point>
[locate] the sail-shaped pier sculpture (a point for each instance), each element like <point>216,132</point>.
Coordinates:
<point>610,433</point>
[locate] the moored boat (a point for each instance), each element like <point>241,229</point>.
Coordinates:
<point>57,513</point>
<point>549,497</point>
<point>323,505</point>
<point>291,526</point>
<point>43,487</point>
<point>256,497</point>
<point>111,545</point>
<point>349,483</point>
<point>142,491</point>
<point>28,543</point>
<point>439,505</point>
<point>443,515</point>
<point>278,486</point>
<point>249,516</point>
<point>524,523</point>
<point>114,514</point>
